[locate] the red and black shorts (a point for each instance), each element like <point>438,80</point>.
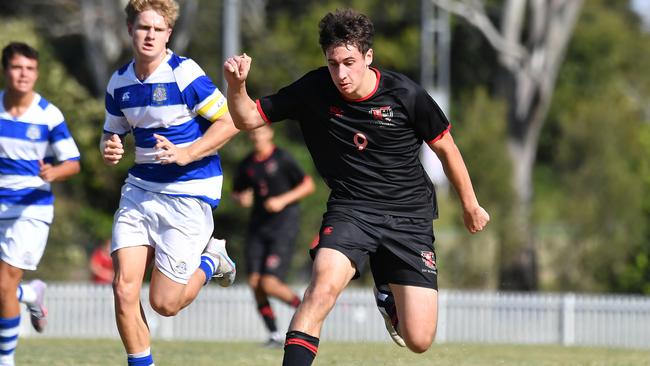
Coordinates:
<point>269,249</point>
<point>400,248</point>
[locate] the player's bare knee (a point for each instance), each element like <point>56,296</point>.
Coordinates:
<point>254,282</point>
<point>268,283</point>
<point>164,308</point>
<point>418,346</point>
<point>125,292</point>
<point>419,343</point>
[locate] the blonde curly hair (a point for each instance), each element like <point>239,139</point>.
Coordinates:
<point>168,9</point>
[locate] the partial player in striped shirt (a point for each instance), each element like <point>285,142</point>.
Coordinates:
<point>36,149</point>
<point>179,120</point>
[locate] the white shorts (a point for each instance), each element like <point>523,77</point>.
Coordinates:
<point>22,242</point>
<point>178,228</point>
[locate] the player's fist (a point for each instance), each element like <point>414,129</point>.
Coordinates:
<point>112,150</point>
<point>476,219</point>
<point>46,171</point>
<point>236,68</point>
<point>274,204</point>
<point>167,152</point>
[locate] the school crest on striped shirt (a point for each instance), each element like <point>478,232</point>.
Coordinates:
<point>33,132</point>
<point>159,95</point>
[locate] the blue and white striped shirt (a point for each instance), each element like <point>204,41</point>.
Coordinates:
<point>39,134</point>
<point>177,101</point>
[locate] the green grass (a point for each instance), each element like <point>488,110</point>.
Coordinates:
<point>67,352</point>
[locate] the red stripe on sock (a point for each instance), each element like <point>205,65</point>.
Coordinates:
<point>302,343</point>
<point>295,302</point>
<point>266,311</point>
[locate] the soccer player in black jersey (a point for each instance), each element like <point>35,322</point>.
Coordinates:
<point>272,182</point>
<point>363,127</point>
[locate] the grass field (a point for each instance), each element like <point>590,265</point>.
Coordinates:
<point>67,352</point>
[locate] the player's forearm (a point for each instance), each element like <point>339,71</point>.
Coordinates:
<point>456,171</point>
<point>302,190</point>
<point>242,108</point>
<point>219,133</point>
<point>66,169</point>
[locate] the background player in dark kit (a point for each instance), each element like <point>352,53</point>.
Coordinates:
<point>364,127</point>
<point>271,181</point>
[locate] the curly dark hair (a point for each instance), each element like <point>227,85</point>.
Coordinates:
<point>17,48</point>
<point>346,27</point>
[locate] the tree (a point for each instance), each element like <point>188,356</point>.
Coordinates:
<point>98,28</point>
<point>531,46</point>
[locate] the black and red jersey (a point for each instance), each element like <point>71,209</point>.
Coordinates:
<point>367,149</point>
<point>275,175</point>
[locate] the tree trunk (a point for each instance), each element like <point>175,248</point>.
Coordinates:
<point>531,60</point>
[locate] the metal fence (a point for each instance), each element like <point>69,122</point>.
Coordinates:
<point>86,311</point>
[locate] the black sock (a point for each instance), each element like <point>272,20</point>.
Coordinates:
<point>299,349</point>
<point>268,316</point>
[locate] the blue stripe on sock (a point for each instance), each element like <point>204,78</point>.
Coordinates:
<point>9,322</point>
<point>140,361</point>
<point>8,339</point>
<point>7,352</point>
<point>207,266</point>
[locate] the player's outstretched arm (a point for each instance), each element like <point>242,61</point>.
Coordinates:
<point>474,216</point>
<point>216,136</point>
<point>242,108</point>
<point>111,148</point>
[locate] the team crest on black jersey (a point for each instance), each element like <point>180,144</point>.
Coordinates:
<point>271,167</point>
<point>159,95</point>
<point>382,113</point>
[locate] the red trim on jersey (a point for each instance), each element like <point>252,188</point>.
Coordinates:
<point>302,343</point>
<point>378,74</point>
<point>259,109</point>
<point>441,134</point>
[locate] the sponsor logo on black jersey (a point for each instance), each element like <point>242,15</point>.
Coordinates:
<point>382,113</point>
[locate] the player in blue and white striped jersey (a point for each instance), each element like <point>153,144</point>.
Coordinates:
<point>179,120</point>
<point>36,149</point>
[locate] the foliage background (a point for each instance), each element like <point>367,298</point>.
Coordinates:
<point>592,175</point>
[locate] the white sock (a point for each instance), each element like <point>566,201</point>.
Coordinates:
<point>26,294</point>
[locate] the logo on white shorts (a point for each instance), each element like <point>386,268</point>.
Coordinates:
<point>180,268</point>
<point>28,258</point>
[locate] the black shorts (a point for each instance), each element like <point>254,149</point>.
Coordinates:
<point>269,250</point>
<point>400,248</point>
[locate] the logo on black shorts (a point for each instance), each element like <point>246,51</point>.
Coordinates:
<point>429,259</point>
<point>327,230</point>
<point>273,261</point>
